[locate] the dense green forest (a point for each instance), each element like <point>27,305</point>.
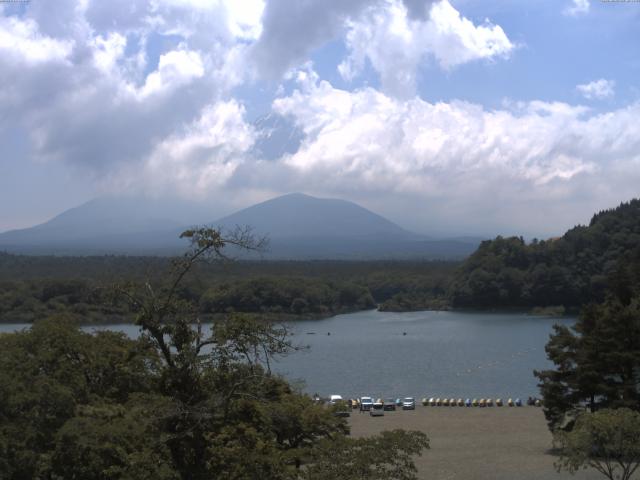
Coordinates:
<point>565,272</point>
<point>569,271</point>
<point>34,287</point>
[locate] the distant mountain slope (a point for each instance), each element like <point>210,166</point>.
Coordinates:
<point>572,270</point>
<point>108,224</point>
<point>299,227</point>
<point>297,215</point>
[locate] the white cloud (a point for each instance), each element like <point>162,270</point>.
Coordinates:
<point>598,89</point>
<point>21,41</point>
<point>245,18</point>
<point>577,7</point>
<point>292,29</point>
<point>82,84</point>
<point>444,155</point>
<point>175,69</point>
<point>204,155</point>
<point>396,43</point>
<point>107,51</point>
<point>140,96</point>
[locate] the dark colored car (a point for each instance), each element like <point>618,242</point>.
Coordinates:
<point>390,404</point>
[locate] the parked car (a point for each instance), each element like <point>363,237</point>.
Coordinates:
<point>333,399</point>
<point>366,403</point>
<point>409,403</point>
<point>390,404</point>
<point>377,409</point>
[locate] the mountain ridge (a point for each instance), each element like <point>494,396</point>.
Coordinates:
<point>299,226</point>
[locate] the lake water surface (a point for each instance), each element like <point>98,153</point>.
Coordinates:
<point>442,354</point>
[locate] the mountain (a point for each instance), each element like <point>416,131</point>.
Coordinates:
<point>304,227</point>
<point>109,225</point>
<point>297,215</point>
<point>298,226</point>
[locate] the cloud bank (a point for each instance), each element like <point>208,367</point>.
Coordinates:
<point>142,97</point>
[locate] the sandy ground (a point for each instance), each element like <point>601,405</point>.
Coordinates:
<point>475,443</point>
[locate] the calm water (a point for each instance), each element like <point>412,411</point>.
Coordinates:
<point>446,354</point>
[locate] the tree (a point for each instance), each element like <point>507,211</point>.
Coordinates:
<point>388,456</point>
<point>49,375</point>
<point>607,440</point>
<point>597,362</point>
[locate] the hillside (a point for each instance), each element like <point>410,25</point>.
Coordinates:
<point>109,225</point>
<point>297,215</point>
<point>572,270</point>
<point>299,227</point>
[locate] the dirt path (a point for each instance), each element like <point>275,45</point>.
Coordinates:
<point>476,443</point>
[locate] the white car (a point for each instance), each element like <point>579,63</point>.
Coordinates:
<point>408,403</point>
<point>333,399</point>
<point>366,403</point>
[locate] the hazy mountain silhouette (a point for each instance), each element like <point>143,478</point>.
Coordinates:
<point>297,215</point>
<point>109,225</point>
<point>299,227</point>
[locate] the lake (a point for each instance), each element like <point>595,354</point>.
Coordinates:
<point>440,354</point>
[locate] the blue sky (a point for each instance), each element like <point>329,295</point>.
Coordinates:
<point>446,116</point>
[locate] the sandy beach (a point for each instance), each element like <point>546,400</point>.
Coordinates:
<point>475,443</point>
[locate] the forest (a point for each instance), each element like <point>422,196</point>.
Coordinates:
<point>561,273</point>
<point>34,287</point>
<point>568,271</point>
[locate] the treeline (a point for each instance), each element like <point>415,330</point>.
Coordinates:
<point>569,271</point>
<point>36,287</point>
<point>286,295</point>
<point>26,301</point>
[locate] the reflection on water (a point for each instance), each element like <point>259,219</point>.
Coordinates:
<point>443,354</point>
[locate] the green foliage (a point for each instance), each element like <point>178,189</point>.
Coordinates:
<point>388,456</point>
<point>607,440</point>
<point>298,296</point>
<point>49,373</point>
<point>597,362</point>
<point>181,402</point>
<point>109,441</point>
<point>572,270</point>
<point>37,287</point>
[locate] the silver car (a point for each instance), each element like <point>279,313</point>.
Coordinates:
<point>408,403</point>
<point>377,409</point>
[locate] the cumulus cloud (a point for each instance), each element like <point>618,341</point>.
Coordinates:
<point>86,87</point>
<point>291,30</point>
<point>395,42</point>
<point>140,96</point>
<point>447,154</point>
<point>598,89</point>
<point>205,154</point>
<point>21,42</point>
<point>577,7</point>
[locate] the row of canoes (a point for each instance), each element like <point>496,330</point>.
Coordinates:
<point>459,402</point>
<point>475,402</point>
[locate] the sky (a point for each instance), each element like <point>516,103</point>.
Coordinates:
<point>446,116</point>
